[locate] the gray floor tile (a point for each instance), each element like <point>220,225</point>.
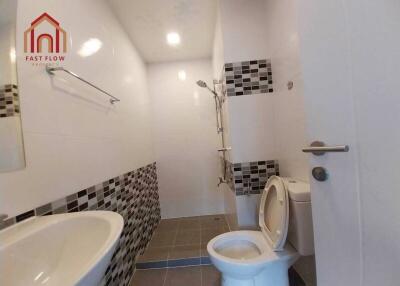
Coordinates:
<point>203,250</point>
<point>189,223</point>
<point>153,277</point>
<point>211,221</point>
<point>210,276</point>
<point>209,233</point>
<point>183,276</point>
<point>155,254</point>
<point>168,224</point>
<point>184,251</point>
<point>163,238</point>
<point>188,237</point>
<point>186,231</point>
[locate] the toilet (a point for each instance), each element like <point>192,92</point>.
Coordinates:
<point>255,258</point>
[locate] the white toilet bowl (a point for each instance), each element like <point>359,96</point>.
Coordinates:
<point>262,258</point>
<point>245,258</point>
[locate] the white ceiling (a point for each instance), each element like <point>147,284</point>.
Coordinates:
<point>148,21</point>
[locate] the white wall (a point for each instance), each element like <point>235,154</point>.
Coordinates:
<point>218,60</point>
<point>186,140</point>
<point>73,137</point>
<point>251,120</point>
<point>290,134</point>
<point>243,29</point>
<point>7,46</point>
<point>288,105</point>
<point>249,129</point>
<point>242,26</point>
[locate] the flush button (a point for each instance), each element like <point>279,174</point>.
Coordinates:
<point>320,174</point>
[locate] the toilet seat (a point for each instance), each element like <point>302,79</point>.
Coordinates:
<point>274,213</point>
<point>242,246</point>
<point>254,238</point>
<point>260,258</point>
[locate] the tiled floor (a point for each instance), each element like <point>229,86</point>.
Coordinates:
<point>205,275</point>
<point>183,238</point>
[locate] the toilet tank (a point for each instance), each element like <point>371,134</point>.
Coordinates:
<point>300,233</point>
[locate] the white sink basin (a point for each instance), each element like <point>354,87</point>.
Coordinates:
<point>60,250</point>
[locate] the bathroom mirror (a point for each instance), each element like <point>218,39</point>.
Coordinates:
<point>11,143</point>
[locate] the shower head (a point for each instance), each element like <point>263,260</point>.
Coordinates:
<point>201,83</point>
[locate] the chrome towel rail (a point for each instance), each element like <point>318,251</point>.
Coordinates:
<point>50,70</point>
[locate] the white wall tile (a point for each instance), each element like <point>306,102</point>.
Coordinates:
<point>11,144</point>
<point>218,47</point>
<point>243,30</point>
<point>288,106</point>
<point>73,137</point>
<point>186,140</point>
<point>251,119</point>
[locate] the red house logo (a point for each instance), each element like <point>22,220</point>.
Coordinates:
<point>45,36</point>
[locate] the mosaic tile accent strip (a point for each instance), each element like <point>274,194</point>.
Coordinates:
<point>9,100</point>
<point>249,77</point>
<point>133,195</point>
<point>251,177</point>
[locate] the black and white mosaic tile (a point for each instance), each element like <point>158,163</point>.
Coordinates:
<point>251,177</point>
<point>133,195</point>
<point>248,77</point>
<point>9,100</point>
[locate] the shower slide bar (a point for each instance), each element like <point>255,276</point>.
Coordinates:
<point>51,70</point>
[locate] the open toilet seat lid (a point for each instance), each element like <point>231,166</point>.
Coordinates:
<point>274,213</point>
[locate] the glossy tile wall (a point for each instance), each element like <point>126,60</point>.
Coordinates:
<point>7,46</point>
<point>70,130</point>
<point>249,118</point>
<point>243,30</point>
<point>290,133</point>
<point>240,38</point>
<point>251,127</point>
<point>186,139</point>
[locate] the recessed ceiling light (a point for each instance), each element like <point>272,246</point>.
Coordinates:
<point>173,39</point>
<point>182,75</point>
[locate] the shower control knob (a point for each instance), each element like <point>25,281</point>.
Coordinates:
<point>320,174</point>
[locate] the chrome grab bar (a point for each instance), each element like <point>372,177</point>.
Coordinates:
<point>318,148</point>
<point>50,70</point>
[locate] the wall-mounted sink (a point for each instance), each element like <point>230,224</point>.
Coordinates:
<point>59,250</point>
